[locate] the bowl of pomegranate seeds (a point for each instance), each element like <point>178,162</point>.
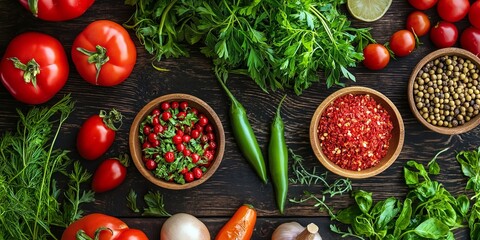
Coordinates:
<point>357,132</point>
<point>177,141</point>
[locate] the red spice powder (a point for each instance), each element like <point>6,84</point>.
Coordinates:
<point>355,131</point>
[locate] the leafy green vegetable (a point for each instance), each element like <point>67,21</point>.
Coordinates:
<point>278,43</point>
<point>429,211</point>
<point>29,198</point>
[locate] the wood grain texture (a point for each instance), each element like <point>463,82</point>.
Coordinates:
<point>235,182</point>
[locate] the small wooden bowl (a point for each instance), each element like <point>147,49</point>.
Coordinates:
<point>432,56</point>
<point>202,107</point>
<point>396,142</point>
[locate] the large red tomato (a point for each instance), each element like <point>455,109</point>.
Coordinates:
<point>115,229</point>
<point>97,134</point>
<point>104,54</point>
<point>453,10</point>
<point>470,40</point>
<point>34,67</point>
<point>418,23</point>
<point>57,10</point>
<point>444,34</point>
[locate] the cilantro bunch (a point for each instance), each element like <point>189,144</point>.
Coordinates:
<point>278,43</point>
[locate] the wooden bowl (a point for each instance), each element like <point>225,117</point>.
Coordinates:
<point>202,107</point>
<point>395,144</point>
<point>467,126</point>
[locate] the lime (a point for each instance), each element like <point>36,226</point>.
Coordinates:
<point>368,10</point>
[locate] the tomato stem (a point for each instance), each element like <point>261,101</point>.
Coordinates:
<point>30,70</point>
<point>111,118</point>
<point>33,4</point>
<point>99,57</point>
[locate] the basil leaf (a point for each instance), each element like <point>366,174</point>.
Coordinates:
<point>411,177</point>
<point>363,200</point>
<point>362,226</point>
<point>403,220</point>
<point>432,228</point>
<point>347,215</point>
<point>463,204</point>
<point>387,213</point>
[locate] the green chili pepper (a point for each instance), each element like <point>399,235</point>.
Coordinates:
<point>278,159</point>
<point>244,136</point>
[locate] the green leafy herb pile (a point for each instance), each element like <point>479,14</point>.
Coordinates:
<point>29,197</point>
<point>429,211</point>
<point>278,43</point>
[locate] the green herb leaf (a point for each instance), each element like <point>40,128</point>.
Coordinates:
<point>155,206</point>
<point>432,228</point>
<point>364,200</point>
<point>403,220</point>
<point>132,201</point>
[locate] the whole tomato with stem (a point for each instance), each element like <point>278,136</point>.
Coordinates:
<point>101,227</point>
<point>444,34</point>
<point>97,134</point>
<point>57,10</point>
<point>453,10</point>
<point>423,4</point>
<point>470,40</point>
<point>474,14</point>
<point>418,22</point>
<point>110,174</point>
<point>104,54</point>
<point>376,56</point>
<point>402,43</point>
<point>34,67</point>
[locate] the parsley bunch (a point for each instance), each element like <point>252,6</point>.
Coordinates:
<point>278,43</point>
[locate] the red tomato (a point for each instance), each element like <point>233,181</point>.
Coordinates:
<point>110,174</point>
<point>376,56</point>
<point>444,34</point>
<point>57,10</point>
<point>453,10</point>
<point>422,4</point>
<point>97,134</point>
<point>474,14</point>
<point>402,43</point>
<point>34,67</point>
<point>89,224</point>
<point>104,54</point>
<point>418,23</point>
<point>470,40</point>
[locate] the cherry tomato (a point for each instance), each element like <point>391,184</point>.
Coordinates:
<point>418,23</point>
<point>97,134</point>
<point>197,172</point>
<point>169,157</point>
<point>474,14</point>
<point>110,174</point>
<point>195,157</point>
<point>444,34</point>
<point>184,105</point>
<point>150,164</point>
<point>376,56</point>
<point>189,177</point>
<point>453,10</point>
<point>470,40</point>
<point>195,134</point>
<point>34,67</point>
<point>166,116</point>
<point>402,43</point>
<point>423,4</point>
<point>104,54</point>
<point>59,10</point>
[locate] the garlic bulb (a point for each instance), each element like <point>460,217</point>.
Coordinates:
<point>295,231</point>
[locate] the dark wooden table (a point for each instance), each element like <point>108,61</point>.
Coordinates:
<point>234,183</point>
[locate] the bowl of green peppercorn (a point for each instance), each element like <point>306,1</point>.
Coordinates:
<point>444,91</point>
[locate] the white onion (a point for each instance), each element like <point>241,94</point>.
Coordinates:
<point>295,231</point>
<point>183,226</point>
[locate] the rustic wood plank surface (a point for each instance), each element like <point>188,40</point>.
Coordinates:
<point>234,183</point>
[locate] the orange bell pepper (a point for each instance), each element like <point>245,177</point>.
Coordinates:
<point>240,226</point>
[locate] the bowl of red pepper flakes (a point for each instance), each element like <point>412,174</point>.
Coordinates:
<point>177,141</point>
<point>357,132</point>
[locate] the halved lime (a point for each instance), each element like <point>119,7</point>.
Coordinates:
<point>368,10</point>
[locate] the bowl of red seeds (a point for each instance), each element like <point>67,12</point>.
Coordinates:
<point>357,132</point>
<point>177,141</point>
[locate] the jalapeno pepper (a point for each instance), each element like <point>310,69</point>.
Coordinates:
<point>244,136</point>
<point>278,159</point>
